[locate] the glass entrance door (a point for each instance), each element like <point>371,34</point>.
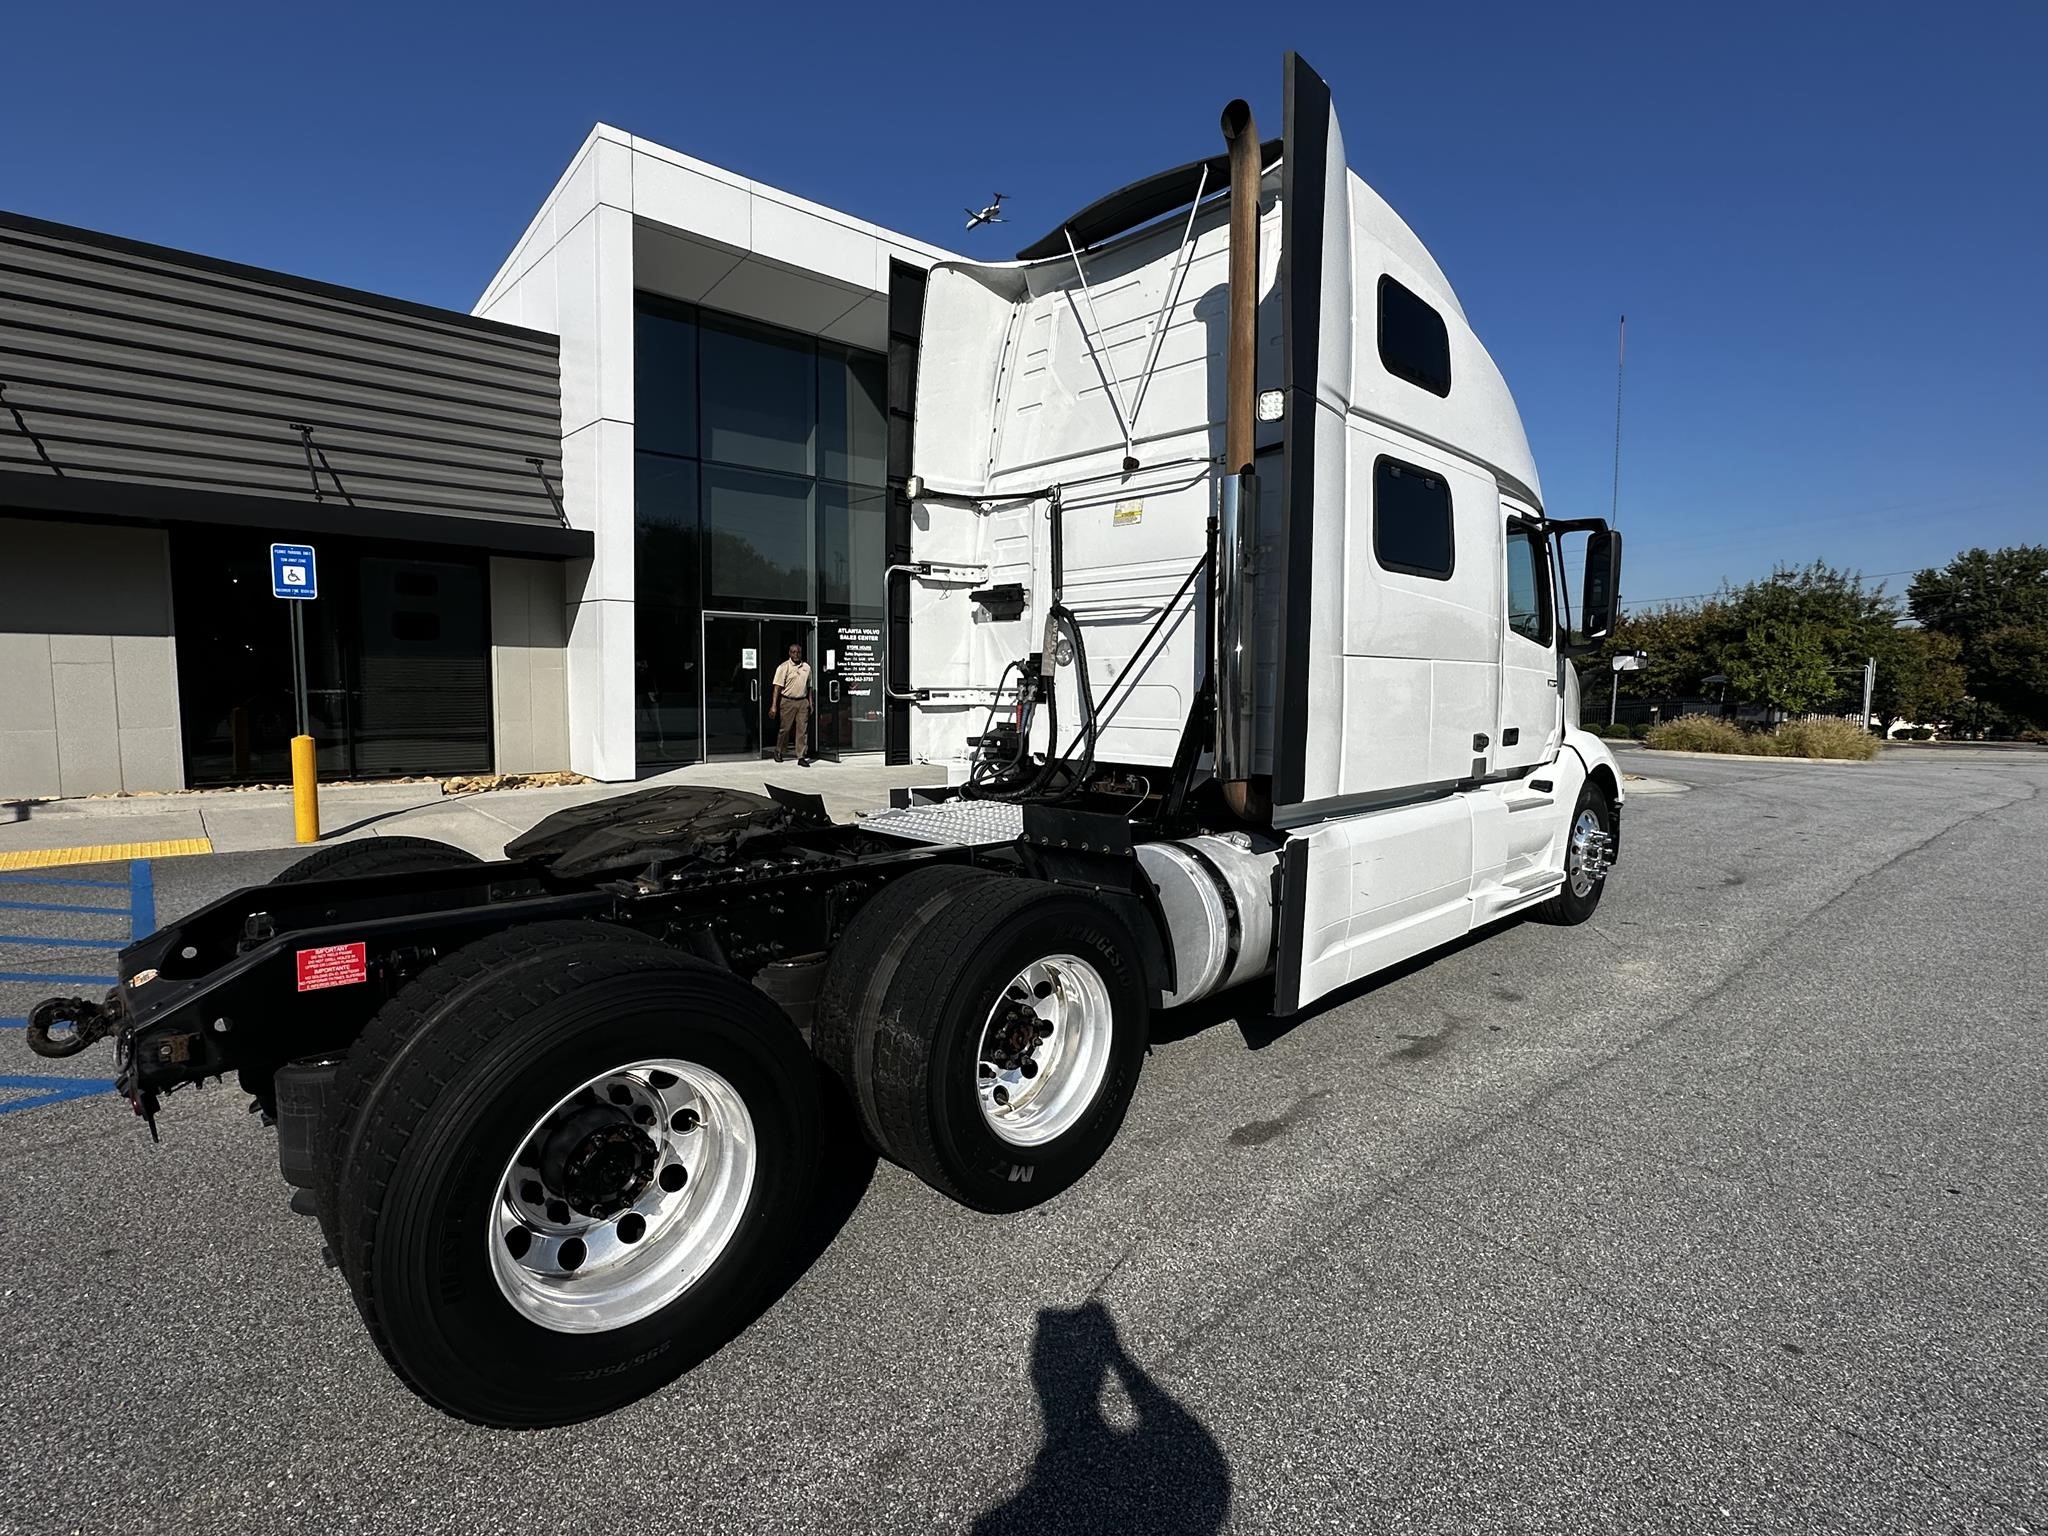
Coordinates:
<point>850,704</point>
<point>741,653</point>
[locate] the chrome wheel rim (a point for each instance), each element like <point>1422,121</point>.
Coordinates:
<point>622,1195</point>
<point>1044,1050</point>
<point>1589,859</point>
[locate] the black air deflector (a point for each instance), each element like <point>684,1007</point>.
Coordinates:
<point>1307,129</point>
<point>1141,202</point>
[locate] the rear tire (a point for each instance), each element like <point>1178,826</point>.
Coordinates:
<point>862,965</point>
<point>420,1005</point>
<point>477,1080</point>
<point>961,1093</point>
<point>375,856</point>
<point>348,861</point>
<point>1588,848</point>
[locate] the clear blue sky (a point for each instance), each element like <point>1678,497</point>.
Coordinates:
<point>1828,224</point>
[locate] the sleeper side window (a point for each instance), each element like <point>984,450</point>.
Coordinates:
<point>1411,520</point>
<point>1528,592</point>
<point>1414,345</point>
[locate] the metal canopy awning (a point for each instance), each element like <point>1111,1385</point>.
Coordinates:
<point>76,496</point>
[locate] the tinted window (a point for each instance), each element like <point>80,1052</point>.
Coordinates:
<point>760,395</point>
<point>664,379</point>
<point>853,428</point>
<point>1528,592</point>
<point>757,536</point>
<point>1413,342</point>
<point>852,545</point>
<point>1411,519</point>
<point>665,559</point>
<point>667,689</point>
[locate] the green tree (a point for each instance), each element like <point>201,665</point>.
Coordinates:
<point>1782,665</point>
<point>1794,641</point>
<point>1680,646</point>
<point>1995,603</point>
<point>2014,672</point>
<point>1919,676</point>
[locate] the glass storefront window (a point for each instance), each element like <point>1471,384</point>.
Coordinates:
<point>762,456</point>
<point>760,395</point>
<point>665,379</point>
<point>757,534</point>
<point>397,658</point>
<point>668,688</point>
<point>667,538</point>
<point>852,550</point>
<point>853,424</point>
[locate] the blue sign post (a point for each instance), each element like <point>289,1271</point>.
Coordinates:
<point>294,575</point>
<point>291,571</point>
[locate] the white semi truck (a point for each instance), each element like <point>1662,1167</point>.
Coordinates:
<point>1236,616</point>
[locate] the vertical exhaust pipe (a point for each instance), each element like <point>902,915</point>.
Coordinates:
<point>1242,137</point>
<point>1236,660</point>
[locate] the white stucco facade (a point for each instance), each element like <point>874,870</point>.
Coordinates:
<point>627,215</point>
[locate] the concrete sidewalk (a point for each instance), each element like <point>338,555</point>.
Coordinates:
<point>34,833</point>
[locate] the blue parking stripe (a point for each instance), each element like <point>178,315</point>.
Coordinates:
<point>61,906</point>
<point>44,1091</point>
<point>13,1023</point>
<point>33,977</point>
<point>62,943</point>
<point>98,885</point>
<point>141,899</point>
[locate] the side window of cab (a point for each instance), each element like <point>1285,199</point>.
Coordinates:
<point>1528,585</point>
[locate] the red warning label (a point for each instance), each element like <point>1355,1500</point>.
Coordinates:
<point>332,965</point>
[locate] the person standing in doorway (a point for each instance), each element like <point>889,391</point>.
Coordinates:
<point>790,705</point>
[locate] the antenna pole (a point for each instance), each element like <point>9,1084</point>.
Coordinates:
<point>1620,362</point>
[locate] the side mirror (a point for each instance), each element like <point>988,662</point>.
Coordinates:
<point>1603,583</point>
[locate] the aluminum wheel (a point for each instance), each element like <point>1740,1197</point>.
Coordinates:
<point>1591,853</point>
<point>622,1196</point>
<point>1045,1050</point>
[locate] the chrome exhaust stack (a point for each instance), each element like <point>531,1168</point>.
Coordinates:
<point>1236,658</point>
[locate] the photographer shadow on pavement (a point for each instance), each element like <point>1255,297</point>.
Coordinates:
<point>1119,1454</point>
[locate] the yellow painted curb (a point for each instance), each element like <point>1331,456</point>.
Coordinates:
<point>103,853</point>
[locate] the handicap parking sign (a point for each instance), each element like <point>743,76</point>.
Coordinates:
<point>291,571</point>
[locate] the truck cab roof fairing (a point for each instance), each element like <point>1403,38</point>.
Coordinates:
<point>1143,201</point>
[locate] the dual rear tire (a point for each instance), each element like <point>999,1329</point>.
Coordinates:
<point>566,1162</point>
<point>988,1029</point>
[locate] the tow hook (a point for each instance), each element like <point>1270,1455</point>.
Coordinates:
<point>64,1026</point>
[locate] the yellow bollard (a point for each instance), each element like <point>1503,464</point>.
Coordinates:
<point>305,791</point>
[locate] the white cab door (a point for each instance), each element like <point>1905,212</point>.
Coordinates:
<point>1531,712</point>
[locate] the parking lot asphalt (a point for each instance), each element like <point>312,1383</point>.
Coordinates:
<point>1722,1212</point>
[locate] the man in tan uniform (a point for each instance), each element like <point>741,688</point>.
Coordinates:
<point>789,701</point>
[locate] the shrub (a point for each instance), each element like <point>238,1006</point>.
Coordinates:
<point>1922,733</point>
<point>2035,734</point>
<point>1639,732</point>
<point>1698,733</point>
<point>1824,738</point>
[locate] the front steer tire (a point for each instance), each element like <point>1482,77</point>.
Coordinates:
<point>459,1071</point>
<point>1572,904</point>
<point>924,1035</point>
